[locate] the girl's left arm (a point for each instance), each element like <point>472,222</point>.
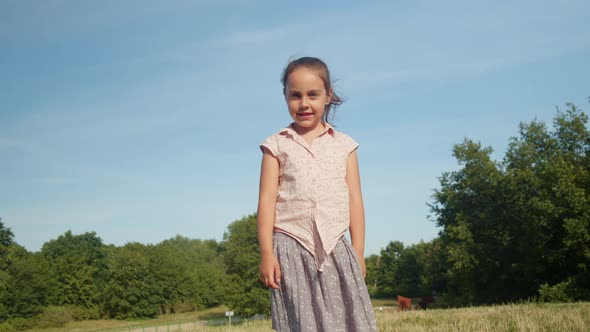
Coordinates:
<point>357,210</point>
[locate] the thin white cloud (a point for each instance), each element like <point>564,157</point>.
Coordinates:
<point>261,36</point>
<point>443,68</point>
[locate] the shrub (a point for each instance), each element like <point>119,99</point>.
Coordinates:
<point>7,327</point>
<point>560,292</point>
<point>81,313</point>
<point>21,324</point>
<point>184,307</point>
<point>53,317</point>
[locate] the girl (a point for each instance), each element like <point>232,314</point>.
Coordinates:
<point>309,196</point>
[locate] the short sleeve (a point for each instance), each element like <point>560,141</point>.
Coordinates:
<point>349,144</point>
<point>271,145</point>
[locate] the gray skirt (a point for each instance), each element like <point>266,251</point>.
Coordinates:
<point>309,300</point>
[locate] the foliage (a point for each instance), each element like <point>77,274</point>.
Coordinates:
<point>246,294</point>
<point>21,324</point>
<point>560,292</point>
<point>192,273</point>
<point>28,287</point>
<point>89,280</point>
<point>6,240</point>
<point>53,316</point>
<point>79,267</point>
<point>7,327</point>
<point>510,226</point>
<point>399,270</point>
<point>132,290</point>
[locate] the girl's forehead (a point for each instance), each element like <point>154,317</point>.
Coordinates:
<point>305,76</point>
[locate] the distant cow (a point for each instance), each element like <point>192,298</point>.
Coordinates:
<point>425,302</point>
<point>403,303</point>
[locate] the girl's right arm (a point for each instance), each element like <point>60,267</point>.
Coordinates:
<point>270,272</point>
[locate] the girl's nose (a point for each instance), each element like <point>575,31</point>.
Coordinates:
<point>304,103</point>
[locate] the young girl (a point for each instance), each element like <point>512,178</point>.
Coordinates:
<point>310,196</point>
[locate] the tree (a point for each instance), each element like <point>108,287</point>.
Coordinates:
<point>388,267</point>
<point>6,240</point>
<point>132,290</point>
<point>372,264</point>
<point>190,272</point>
<point>79,267</point>
<point>400,270</point>
<point>28,287</point>
<point>247,296</point>
<point>509,227</point>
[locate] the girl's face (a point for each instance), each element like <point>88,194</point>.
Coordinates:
<point>306,98</point>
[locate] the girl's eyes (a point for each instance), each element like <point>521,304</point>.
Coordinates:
<point>298,95</point>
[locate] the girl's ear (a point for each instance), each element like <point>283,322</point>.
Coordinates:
<point>329,96</point>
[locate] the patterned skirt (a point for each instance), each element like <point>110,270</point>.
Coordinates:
<point>309,300</point>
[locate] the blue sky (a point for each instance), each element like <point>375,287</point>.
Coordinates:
<point>141,120</point>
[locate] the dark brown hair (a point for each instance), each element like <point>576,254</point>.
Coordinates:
<point>322,70</point>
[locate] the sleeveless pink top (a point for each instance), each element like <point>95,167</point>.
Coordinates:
<point>312,202</point>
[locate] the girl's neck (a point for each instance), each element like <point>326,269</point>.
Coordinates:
<point>309,134</point>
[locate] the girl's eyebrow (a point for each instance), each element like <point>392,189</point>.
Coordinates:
<point>308,91</point>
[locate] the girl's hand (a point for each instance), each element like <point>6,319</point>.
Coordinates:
<point>363,266</point>
<point>361,259</point>
<point>270,271</point>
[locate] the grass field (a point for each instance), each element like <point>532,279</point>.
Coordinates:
<point>512,317</point>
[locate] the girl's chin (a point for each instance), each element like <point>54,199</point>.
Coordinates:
<point>306,122</point>
<point>307,125</point>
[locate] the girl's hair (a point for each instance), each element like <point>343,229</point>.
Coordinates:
<point>322,70</point>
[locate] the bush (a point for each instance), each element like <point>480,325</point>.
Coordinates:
<point>53,317</point>
<point>81,313</point>
<point>184,307</point>
<point>7,327</point>
<point>560,292</point>
<point>21,324</point>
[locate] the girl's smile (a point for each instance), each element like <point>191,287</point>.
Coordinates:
<point>306,97</point>
<point>305,116</point>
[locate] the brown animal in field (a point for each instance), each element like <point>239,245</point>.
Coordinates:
<point>403,303</point>
<point>425,302</point>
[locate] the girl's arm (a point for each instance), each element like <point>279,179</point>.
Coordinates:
<point>270,272</point>
<point>357,210</point>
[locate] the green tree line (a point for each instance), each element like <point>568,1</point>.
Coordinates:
<point>509,230</point>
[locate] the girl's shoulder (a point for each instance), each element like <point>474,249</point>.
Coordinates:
<point>272,143</point>
<point>275,136</point>
<point>348,142</point>
<point>340,135</point>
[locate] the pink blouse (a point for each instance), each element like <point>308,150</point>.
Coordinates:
<point>312,202</point>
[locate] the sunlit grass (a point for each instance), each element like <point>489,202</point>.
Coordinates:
<point>511,317</point>
<point>196,319</point>
<point>514,317</point>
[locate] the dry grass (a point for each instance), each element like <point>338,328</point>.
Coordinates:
<point>197,318</point>
<point>513,317</point>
